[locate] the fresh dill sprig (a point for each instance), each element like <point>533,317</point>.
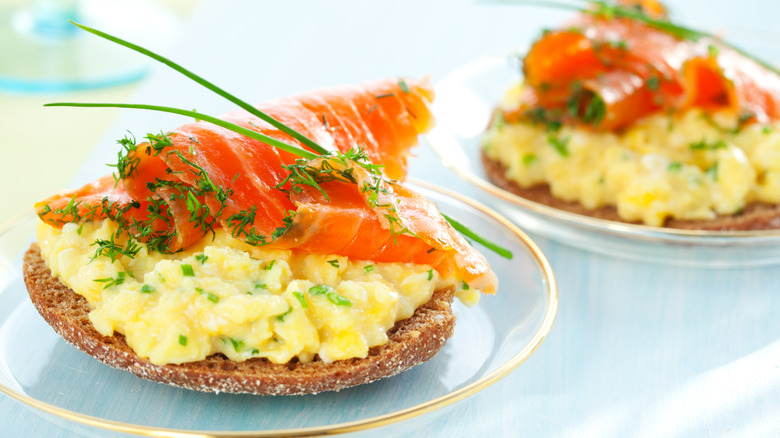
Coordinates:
<point>374,187</point>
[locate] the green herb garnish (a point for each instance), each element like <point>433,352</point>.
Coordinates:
<point>503,252</point>
<point>281,317</point>
<point>330,294</point>
<point>301,299</point>
<point>529,159</point>
<point>201,258</point>
<point>560,145</point>
<point>186,270</point>
<point>183,340</point>
<point>121,276</point>
<point>147,289</point>
<point>209,296</point>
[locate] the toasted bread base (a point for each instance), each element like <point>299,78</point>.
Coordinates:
<point>755,216</point>
<point>412,341</point>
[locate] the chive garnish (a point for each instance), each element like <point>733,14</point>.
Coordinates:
<point>147,289</point>
<point>466,231</point>
<point>201,258</point>
<point>368,268</point>
<point>281,317</point>
<point>270,265</point>
<point>121,276</point>
<point>209,296</point>
<point>430,274</point>
<point>244,105</point>
<point>186,270</point>
<point>334,263</point>
<point>213,120</point>
<point>529,158</point>
<point>183,340</point>
<point>301,299</point>
<point>330,294</point>
<point>560,145</point>
<point>237,345</point>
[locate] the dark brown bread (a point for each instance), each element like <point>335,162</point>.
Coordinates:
<point>756,216</point>
<point>412,342</point>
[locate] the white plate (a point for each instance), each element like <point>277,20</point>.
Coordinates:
<point>464,101</point>
<point>491,339</point>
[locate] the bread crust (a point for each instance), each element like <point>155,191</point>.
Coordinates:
<point>412,341</point>
<point>755,216</point>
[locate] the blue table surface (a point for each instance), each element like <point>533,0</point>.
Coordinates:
<point>637,349</point>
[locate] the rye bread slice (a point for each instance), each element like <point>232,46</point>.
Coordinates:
<point>412,341</point>
<point>755,216</point>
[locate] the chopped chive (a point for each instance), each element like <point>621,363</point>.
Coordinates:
<point>334,263</point>
<point>674,166</point>
<point>465,286</point>
<point>201,258</point>
<point>529,159</point>
<point>301,299</point>
<point>209,296</point>
<point>120,279</point>
<point>270,265</point>
<point>430,274</point>
<point>186,270</point>
<point>147,289</point>
<point>330,294</point>
<point>560,145</point>
<point>368,268</point>
<point>183,340</point>
<point>382,96</point>
<point>237,345</point>
<point>284,315</point>
<point>254,352</point>
<point>259,285</point>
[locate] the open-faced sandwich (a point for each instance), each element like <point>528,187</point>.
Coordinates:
<point>216,258</point>
<point>626,116</point>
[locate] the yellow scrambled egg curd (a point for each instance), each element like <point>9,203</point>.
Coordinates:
<point>225,296</point>
<point>689,166</point>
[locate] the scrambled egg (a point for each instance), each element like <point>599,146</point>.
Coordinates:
<point>224,296</point>
<point>689,166</point>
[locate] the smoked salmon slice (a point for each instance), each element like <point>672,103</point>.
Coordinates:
<point>605,72</point>
<point>175,188</point>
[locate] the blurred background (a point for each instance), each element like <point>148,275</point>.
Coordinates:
<point>43,148</point>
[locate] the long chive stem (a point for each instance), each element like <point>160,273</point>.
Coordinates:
<point>468,232</point>
<point>244,105</point>
<point>303,153</point>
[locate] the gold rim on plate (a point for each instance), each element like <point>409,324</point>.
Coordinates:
<point>358,425</point>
